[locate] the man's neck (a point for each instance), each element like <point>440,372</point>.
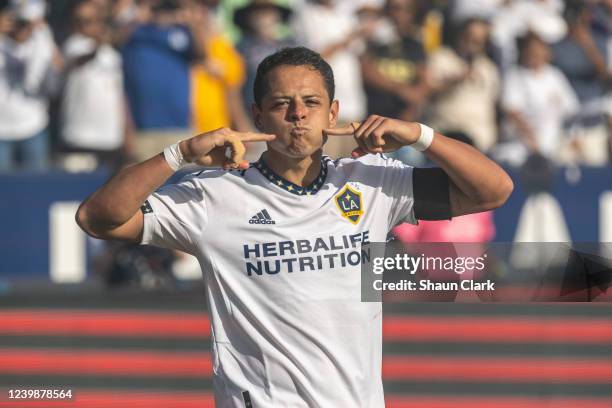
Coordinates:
<point>298,171</point>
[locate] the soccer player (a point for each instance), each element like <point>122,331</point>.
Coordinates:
<point>280,241</point>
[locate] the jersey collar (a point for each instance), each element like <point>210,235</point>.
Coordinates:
<point>286,185</point>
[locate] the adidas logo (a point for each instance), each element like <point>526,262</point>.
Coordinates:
<point>262,217</point>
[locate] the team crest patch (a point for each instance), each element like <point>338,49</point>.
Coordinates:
<point>350,204</point>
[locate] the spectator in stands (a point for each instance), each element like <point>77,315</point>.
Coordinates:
<point>583,54</point>
<point>93,112</point>
<point>321,26</point>
<point>395,73</point>
<point>513,19</point>
<point>536,100</point>
<point>466,84</point>
<point>259,23</point>
<point>29,62</point>
<point>217,80</point>
<point>585,58</point>
<point>157,58</point>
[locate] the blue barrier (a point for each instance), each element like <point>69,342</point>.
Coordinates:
<point>27,199</point>
<point>24,216</point>
<point>580,201</point>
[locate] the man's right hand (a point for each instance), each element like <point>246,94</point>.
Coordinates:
<point>209,149</point>
<point>113,211</point>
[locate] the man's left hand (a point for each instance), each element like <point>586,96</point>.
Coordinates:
<point>378,134</point>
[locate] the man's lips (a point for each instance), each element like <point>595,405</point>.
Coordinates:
<point>299,131</point>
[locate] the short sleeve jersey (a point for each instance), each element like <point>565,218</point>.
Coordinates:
<point>282,269</point>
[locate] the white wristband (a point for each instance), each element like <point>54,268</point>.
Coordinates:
<point>174,157</point>
<point>425,139</point>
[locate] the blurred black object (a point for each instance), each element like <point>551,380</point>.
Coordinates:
<point>132,265</point>
<point>536,175</point>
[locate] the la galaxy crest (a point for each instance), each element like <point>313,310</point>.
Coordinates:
<point>350,203</point>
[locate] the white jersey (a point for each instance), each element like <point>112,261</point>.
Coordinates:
<point>92,107</point>
<point>282,266</point>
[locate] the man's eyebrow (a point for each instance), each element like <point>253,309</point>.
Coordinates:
<point>279,96</point>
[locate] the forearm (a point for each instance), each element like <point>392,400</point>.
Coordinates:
<point>199,40</point>
<point>441,87</point>
<point>595,57</point>
<point>598,61</point>
<point>116,202</point>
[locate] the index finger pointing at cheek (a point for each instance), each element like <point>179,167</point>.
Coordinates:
<point>255,137</point>
<point>344,131</point>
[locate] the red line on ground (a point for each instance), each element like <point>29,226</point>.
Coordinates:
<point>405,368</point>
<point>119,363</point>
<point>497,329</point>
<point>494,369</point>
<point>504,329</point>
<point>104,323</point>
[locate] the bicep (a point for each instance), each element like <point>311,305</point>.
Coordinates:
<point>461,204</point>
<point>130,231</point>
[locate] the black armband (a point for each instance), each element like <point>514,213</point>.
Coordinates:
<point>431,192</point>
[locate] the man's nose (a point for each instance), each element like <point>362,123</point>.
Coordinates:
<point>297,111</point>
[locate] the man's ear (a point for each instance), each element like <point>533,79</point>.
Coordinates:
<point>256,113</point>
<point>333,113</point>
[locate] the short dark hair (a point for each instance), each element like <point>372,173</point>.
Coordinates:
<point>524,40</point>
<point>293,56</point>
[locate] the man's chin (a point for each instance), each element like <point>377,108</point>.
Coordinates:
<point>297,152</point>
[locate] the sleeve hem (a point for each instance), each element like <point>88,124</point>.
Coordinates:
<point>147,229</point>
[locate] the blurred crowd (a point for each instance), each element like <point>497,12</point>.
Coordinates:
<point>93,83</point>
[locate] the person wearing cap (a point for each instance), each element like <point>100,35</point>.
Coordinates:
<point>259,22</point>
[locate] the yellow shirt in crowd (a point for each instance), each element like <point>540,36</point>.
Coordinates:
<point>208,86</point>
